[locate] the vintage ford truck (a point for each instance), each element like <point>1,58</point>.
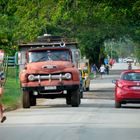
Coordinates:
<point>48,70</point>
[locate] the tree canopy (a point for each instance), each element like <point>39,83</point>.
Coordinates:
<point>89,22</point>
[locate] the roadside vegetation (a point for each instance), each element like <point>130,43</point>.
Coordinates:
<point>91,23</point>
<point>12,95</point>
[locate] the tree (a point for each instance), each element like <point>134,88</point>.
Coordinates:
<point>89,22</point>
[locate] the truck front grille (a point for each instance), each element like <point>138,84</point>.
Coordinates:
<point>64,76</point>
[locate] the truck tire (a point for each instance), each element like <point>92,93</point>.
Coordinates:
<point>26,99</point>
<point>75,98</point>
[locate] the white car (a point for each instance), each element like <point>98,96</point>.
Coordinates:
<point>129,59</point>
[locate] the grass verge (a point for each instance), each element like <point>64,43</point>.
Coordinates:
<point>12,93</point>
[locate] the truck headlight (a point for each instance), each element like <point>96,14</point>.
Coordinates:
<point>68,75</point>
<point>31,77</point>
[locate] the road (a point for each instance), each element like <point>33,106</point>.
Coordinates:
<point>96,118</point>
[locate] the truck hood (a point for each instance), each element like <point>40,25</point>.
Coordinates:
<point>48,66</point>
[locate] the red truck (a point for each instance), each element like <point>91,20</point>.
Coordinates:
<point>48,70</point>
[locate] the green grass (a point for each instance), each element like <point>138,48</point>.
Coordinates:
<point>12,93</point>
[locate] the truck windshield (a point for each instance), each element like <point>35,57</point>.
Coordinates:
<point>57,55</point>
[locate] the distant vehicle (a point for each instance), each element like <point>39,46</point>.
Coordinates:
<point>86,80</point>
<point>129,59</point>
<point>127,88</point>
<point>81,84</point>
<point>84,67</point>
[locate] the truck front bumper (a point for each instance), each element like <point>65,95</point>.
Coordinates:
<point>51,88</point>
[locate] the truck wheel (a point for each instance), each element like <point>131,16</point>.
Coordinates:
<point>75,98</point>
<point>26,99</point>
<point>32,100</point>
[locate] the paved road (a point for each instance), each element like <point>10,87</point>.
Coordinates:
<point>124,66</point>
<point>96,118</point>
<point>102,88</point>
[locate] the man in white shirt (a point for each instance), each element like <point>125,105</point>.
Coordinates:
<point>102,70</point>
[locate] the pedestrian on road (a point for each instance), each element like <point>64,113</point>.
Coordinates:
<point>107,69</point>
<point>129,66</point>
<point>94,70</point>
<point>102,70</point>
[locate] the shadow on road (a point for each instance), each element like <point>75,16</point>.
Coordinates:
<point>97,105</point>
<point>131,106</point>
<point>88,105</point>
